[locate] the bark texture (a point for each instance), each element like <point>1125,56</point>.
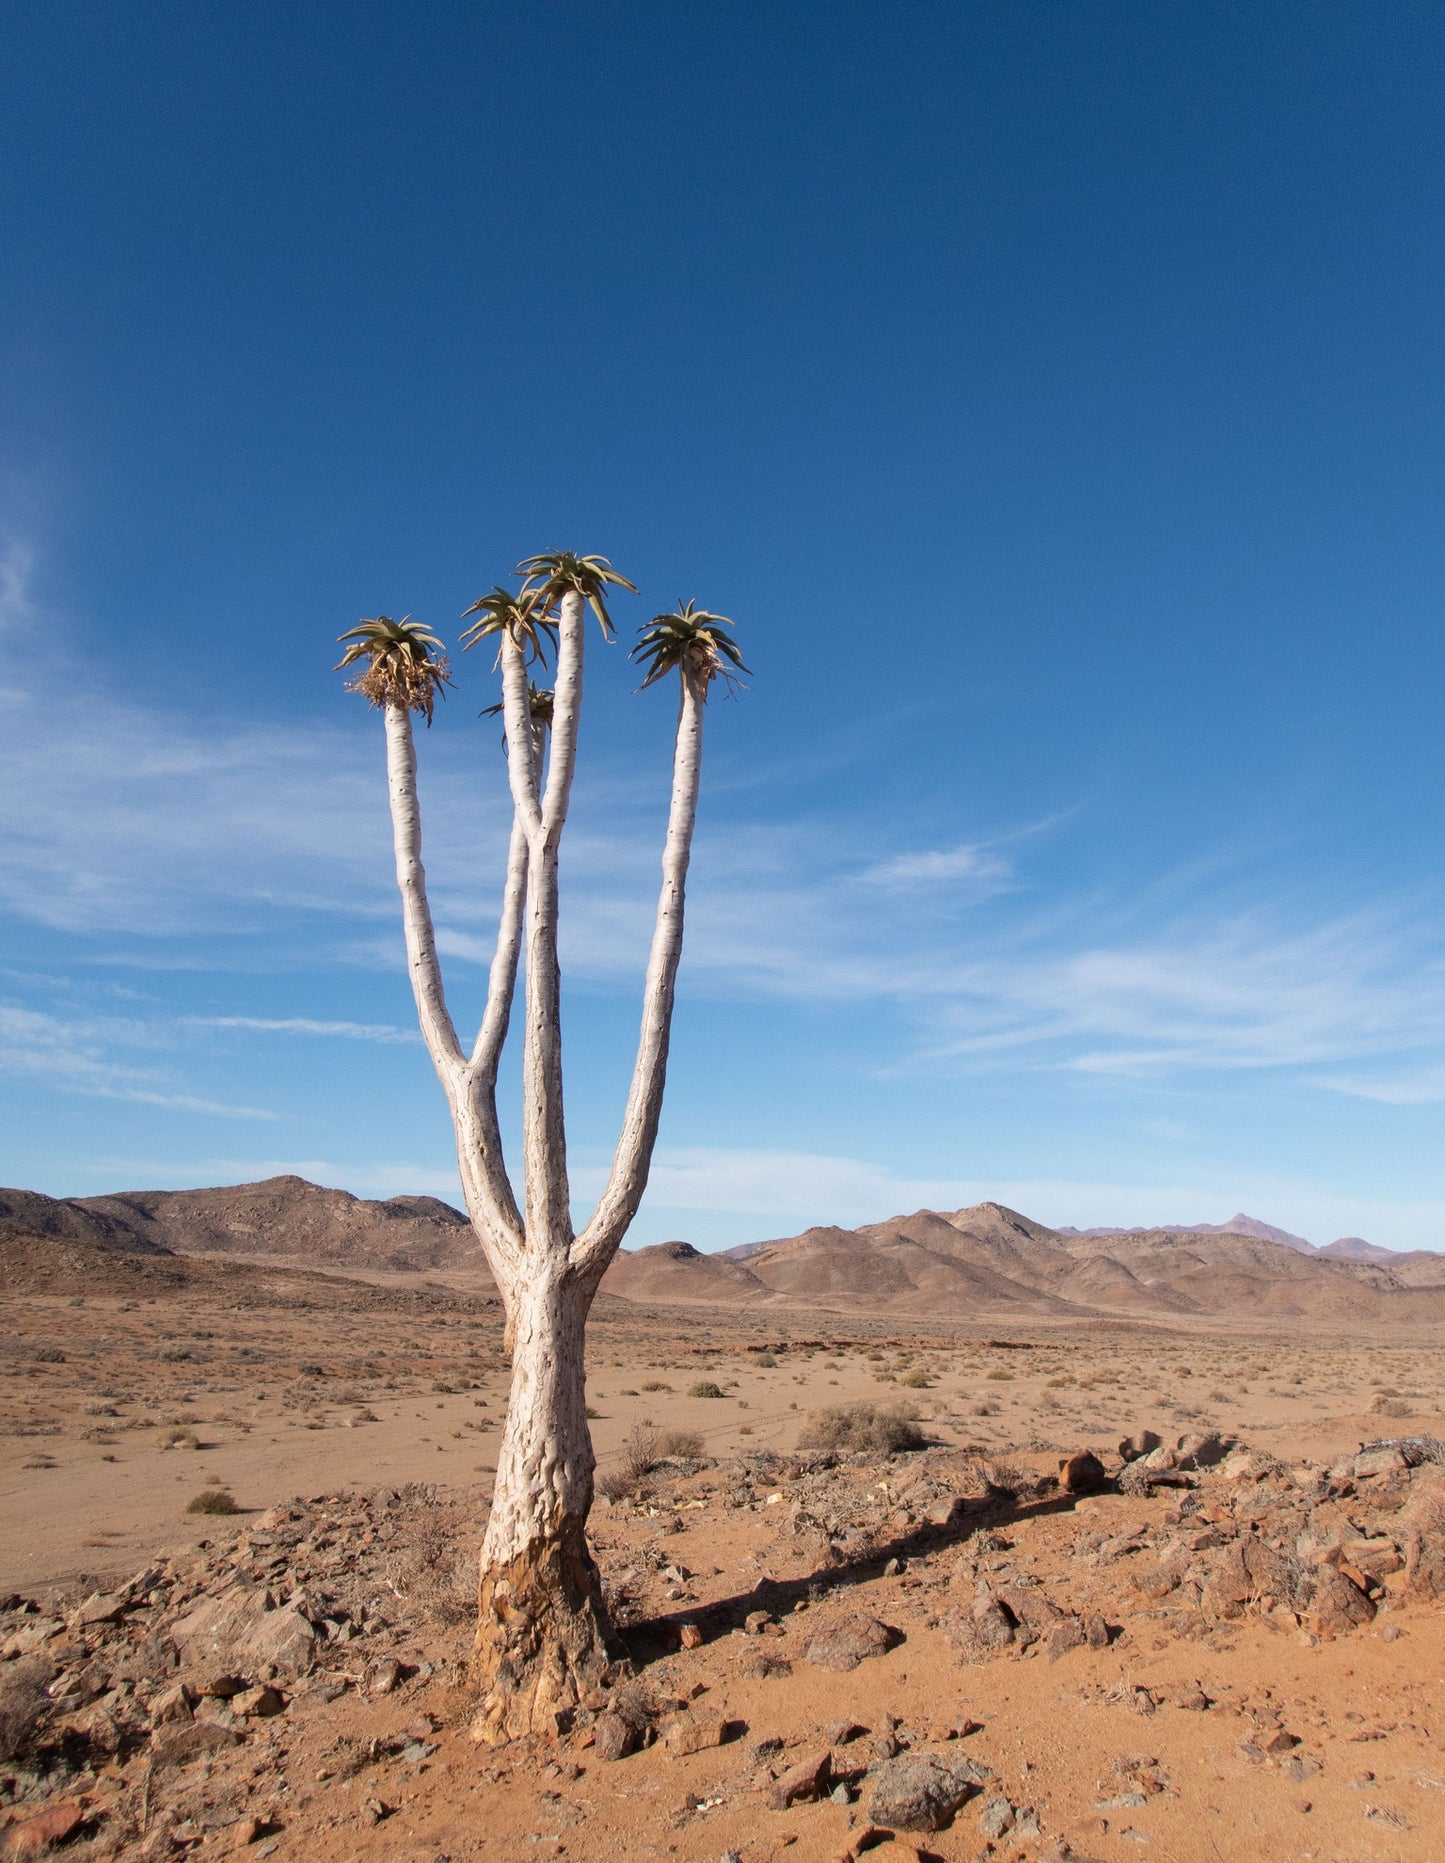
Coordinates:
<point>542,1642</point>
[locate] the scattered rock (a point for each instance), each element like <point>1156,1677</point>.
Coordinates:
<point>694,1733</point>
<point>615,1736</point>
<point>808,1779</point>
<point>1083,1473</point>
<point>846,1641</point>
<point>239,1624</point>
<point>36,1836</point>
<point>180,1742</point>
<point>921,1792</point>
<point>258,1703</point>
<point>997,1818</point>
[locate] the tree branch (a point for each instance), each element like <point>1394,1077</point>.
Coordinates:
<point>566,706</point>
<point>421,952</point>
<point>517,720</point>
<point>599,1241</point>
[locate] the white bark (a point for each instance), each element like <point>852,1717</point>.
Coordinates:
<point>474,1116</point>
<point>541,1637</point>
<point>632,1160</point>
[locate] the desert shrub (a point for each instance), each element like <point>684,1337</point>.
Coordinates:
<point>860,1426</point>
<point>767,1361</point>
<point>313,1371</point>
<point>180,1439</point>
<point>999,1377</point>
<point>48,1355</point>
<point>22,1702</point>
<point>434,1570</point>
<point>594,1415</point>
<point>639,1453</point>
<point>213,1501</point>
<point>656,1384</point>
<point>679,1446</point>
<point>915,1380</point>
<point>705,1388</point>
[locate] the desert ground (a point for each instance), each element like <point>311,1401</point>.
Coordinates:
<point>838,1642</point>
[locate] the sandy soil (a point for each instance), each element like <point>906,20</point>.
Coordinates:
<point>116,1413</point>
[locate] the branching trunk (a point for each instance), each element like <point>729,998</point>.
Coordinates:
<point>542,1644</point>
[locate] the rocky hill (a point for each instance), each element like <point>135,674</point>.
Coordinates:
<point>992,1261</point>
<point>281,1217</point>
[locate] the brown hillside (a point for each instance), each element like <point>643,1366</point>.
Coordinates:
<point>991,1260</point>
<point>291,1218</point>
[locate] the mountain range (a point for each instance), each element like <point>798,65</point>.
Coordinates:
<point>986,1260</point>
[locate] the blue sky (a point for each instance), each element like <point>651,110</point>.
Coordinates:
<point>1053,395</point>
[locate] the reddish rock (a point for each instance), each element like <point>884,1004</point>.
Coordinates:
<point>1083,1473</point>
<point>807,1780</point>
<point>846,1641</point>
<point>36,1835</point>
<point>1339,1605</point>
<point>695,1733</point>
<point>613,1737</point>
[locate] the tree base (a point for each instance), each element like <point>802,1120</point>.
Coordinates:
<point>543,1643</point>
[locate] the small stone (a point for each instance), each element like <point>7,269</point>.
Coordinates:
<point>1382,1461</point>
<point>1280,1741</point>
<point>172,1704</point>
<point>921,1792</point>
<point>695,1733</point>
<point>1062,1638</point>
<point>808,1779</point>
<point>220,1687</point>
<point>36,1835</point>
<point>839,1733</point>
<point>103,1607</point>
<point>690,1636</point>
<point>179,1743</point>
<point>1193,1701</point>
<point>258,1703</point>
<point>847,1641</point>
<point>756,1622</point>
<point>384,1677</point>
<point>1097,1633</point>
<point>997,1818</point>
<point>613,1738</point>
<point>1083,1473</point>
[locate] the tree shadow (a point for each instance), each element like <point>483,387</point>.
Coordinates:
<point>653,1638</point>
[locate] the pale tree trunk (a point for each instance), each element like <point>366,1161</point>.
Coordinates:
<point>543,1645</point>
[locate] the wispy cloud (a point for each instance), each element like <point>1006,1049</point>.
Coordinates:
<point>17,564</point>
<point>304,1025</point>
<point>76,1056</point>
<point>941,867</point>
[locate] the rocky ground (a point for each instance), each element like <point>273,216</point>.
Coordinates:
<point>1200,1649</point>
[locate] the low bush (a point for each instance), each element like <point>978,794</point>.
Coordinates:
<point>22,1702</point>
<point>679,1446</point>
<point>860,1426</point>
<point>213,1501</point>
<point>705,1388</point>
<point>915,1381</point>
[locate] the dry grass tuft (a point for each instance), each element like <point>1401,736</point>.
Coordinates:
<point>22,1702</point>
<point>860,1427</point>
<point>213,1501</point>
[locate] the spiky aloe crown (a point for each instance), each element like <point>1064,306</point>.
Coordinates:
<point>689,641</point>
<point>405,663</point>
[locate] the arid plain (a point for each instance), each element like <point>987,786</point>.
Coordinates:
<point>1223,1639</point>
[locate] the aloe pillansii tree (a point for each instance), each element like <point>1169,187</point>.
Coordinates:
<point>543,1644</point>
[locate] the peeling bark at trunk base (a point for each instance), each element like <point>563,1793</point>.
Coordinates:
<point>543,1641</point>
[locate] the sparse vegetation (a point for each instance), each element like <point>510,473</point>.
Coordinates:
<point>705,1387</point>
<point>213,1501</point>
<point>860,1427</point>
<point>22,1702</point>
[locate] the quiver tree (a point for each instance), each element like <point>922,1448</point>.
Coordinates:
<point>542,1643</point>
